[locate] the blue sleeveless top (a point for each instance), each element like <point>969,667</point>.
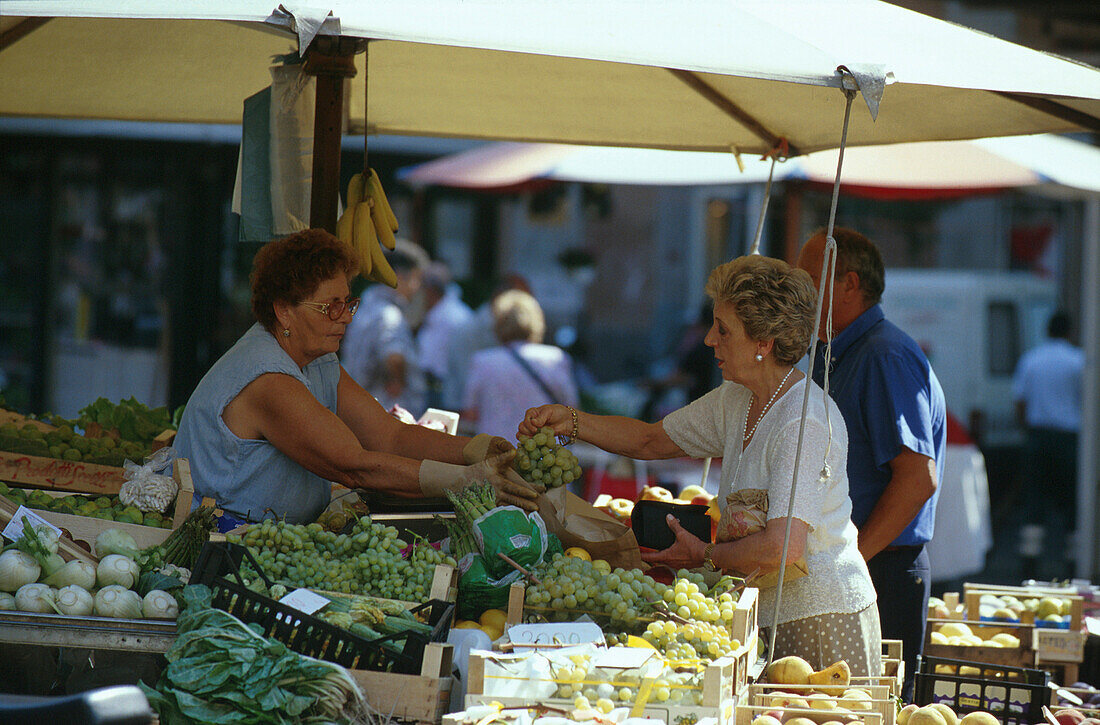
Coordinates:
<point>252,479</point>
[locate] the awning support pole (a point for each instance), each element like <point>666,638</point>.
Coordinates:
<point>827,273</point>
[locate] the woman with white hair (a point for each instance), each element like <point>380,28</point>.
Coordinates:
<point>519,373</point>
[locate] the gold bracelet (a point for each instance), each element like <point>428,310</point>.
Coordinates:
<point>566,440</point>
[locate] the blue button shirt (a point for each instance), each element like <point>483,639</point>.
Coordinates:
<point>889,397</point>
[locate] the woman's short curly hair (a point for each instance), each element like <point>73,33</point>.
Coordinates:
<point>292,268</point>
<point>518,316</point>
<point>773,300</point>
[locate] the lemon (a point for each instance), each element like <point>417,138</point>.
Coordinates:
<point>465,624</point>
<point>601,566</point>
<point>578,552</point>
<point>493,632</point>
<point>494,618</point>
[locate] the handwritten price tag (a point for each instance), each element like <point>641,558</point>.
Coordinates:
<point>14,529</point>
<point>532,636</point>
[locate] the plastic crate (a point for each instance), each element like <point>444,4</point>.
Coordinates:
<point>1013,695</point>
<point>310,635</point>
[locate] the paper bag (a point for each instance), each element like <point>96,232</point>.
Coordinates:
<point>746,512</point>
<point>578,523</point>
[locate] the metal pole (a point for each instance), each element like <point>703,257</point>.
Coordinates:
<point>1088,460</point>
<point>826,279</point>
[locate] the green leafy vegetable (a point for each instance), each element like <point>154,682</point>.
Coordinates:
<point>221,671</point>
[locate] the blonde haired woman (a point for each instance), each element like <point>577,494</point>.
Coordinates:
<point>764,313</point>
<point>519,373</point>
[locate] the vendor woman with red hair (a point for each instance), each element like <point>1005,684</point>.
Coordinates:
<point>276,419</point>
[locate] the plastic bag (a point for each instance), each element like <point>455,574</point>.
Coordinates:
<point>511,531</point>
<point>145,487</point>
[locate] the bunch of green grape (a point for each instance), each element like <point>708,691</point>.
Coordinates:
<point>540,459</point>
<point>570,584</point>
<point>367,560</point>
<point>693,640</point>
<point>688,601</point>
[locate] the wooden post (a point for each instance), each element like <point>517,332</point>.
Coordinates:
<point>330,60</point>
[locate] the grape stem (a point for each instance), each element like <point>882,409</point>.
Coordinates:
<point>508,560</point>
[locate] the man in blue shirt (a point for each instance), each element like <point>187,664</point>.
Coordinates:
<point>896,417</point>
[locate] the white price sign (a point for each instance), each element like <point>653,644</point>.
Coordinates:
<point>530,636</point>
<point>14,529</point>
<point>304,601</point>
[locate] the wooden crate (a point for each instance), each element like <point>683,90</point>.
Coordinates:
<point>973,594</point>
<point>60,475</point>
<point>67,549</point>
<point>84,529</point>
<point>1058,645</point>
<point>1022,656</point>
<point>422,698</point>
<point>882,700</point>
<point>745,714</point>
<point>717,694</point>
<point>10,416</point>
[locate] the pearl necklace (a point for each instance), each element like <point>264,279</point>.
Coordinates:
<point>748,432</point>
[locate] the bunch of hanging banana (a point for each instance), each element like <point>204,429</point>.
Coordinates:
<point>367,223</point>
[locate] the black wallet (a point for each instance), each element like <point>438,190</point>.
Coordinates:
<point>652,530</point>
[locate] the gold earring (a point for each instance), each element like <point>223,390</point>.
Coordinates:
<point>286,332</point>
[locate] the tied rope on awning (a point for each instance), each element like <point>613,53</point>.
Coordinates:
<point>780,151</point>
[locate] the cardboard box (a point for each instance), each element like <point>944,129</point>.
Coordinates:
<point>717,694</point>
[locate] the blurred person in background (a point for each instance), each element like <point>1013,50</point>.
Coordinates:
<point>445,313</point>
<point>1047,390</point>
<point>695,370</point>
<point>476,334</point>
<point>520,372</point>
<point>379,351</point>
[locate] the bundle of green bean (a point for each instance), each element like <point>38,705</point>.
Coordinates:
<point>470,504</point>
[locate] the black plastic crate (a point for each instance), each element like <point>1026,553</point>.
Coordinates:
<point>1014,695</point>
<point>309,635</point>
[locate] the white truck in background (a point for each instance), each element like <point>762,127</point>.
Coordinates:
<point>974,326</point>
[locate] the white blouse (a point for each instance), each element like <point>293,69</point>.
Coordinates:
<point>838,582</point>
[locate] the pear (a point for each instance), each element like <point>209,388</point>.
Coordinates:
<point>837,673</point>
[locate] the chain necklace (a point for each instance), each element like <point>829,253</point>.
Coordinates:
<point>748,432</point>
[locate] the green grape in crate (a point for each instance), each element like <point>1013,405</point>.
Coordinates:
<point>541,459</point>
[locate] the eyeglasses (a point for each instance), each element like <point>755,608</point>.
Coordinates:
<point>334,310</point>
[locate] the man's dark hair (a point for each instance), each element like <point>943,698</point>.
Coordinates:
<point>856,253</point>
<point>1058,327</point>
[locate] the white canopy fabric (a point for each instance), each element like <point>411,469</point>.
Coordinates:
<point>669,74</point>
<point>982,164</point>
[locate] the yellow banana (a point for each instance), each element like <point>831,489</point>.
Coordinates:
<point>355,190</point>
<point>365,238</point>
<point>345,227</point>
<point>382,271</point>
<point>379,195</point>
<point>385,234</point>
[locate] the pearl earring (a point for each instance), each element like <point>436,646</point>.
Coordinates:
<point>286,332</point>
<point>759,357</point>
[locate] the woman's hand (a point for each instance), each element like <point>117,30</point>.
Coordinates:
<point>686,553</point>
<point>555,416</point>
